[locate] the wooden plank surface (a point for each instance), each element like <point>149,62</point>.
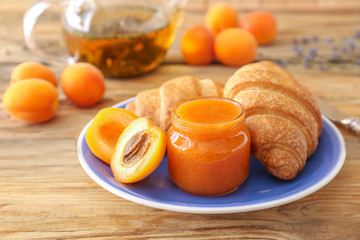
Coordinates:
<point>45,194</point>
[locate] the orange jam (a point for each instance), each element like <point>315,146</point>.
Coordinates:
<point>208,146</point>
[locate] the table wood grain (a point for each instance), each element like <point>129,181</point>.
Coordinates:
<point>45,194</point>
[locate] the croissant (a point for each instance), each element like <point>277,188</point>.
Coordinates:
<point>282,116</point>
<point>157,104</point>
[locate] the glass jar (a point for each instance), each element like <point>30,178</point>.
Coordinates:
<point>208,146</point>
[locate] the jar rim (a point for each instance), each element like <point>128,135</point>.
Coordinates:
<point>187,125</point>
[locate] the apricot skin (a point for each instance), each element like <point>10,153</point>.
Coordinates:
<point>260,24</point>
<point>105,129</point>
<point>235,47</point>
<point>148,162</point>
<point>221,16</point>
<point>28,70</point>
<point>197,45</point>
<point>31,100</point>
<point>83,84</point>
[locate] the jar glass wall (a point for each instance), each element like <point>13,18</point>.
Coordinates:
<point>208,146</point>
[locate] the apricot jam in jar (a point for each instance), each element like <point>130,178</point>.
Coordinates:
<point>208,146</point>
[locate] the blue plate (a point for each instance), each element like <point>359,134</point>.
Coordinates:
<point>260,190</point>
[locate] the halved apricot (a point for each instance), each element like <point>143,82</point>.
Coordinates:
<point>139,151</point>
<point>105,130</point>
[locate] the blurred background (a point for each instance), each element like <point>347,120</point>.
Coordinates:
<point>284,5</point>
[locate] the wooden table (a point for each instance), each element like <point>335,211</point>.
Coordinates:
<point>45,194</point>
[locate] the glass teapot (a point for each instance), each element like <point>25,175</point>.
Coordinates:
<point>122,38</point>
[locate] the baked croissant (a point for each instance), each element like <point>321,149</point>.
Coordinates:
<point>157,104</point>
<point>282,116</point>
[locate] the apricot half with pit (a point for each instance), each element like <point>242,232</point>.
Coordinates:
<point>139,151</point>
<point>105,130</point>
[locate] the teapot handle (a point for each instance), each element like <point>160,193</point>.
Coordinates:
<point>30,20</point>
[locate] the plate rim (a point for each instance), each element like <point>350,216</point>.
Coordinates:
<point>212,210</point>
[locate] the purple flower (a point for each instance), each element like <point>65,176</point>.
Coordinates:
<point>306,61</point>
<point>298,50</point>
<point>352,44</point>
<point>282,63</point>
<point>304,40</point>
<point>307,58</point>
<point>329,39</point>
<point>313,51</point>
<point>357,34</point>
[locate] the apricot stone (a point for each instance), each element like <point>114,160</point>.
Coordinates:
<point>139,151</point>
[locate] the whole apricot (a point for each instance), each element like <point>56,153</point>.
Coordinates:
<point>221,16</point>
<point>83,84</point>
<point>30,69</point>
<point>31,100</point>
<point>235,47</point>
<point>197,45</point>
<point>260,24</point>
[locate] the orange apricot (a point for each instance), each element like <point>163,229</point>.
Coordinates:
<point>260,24</point>
<point>139,151</point>
<point>221,16</point>
<point>197,45</point>
<point>235,47</point>
<point>30,69</point>
<point>105,129</point>
<point>31,100</point>
<point>83,84</point>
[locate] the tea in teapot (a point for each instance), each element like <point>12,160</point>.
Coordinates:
<point>122,40</point>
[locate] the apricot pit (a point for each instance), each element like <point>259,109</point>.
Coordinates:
<point>139,151</point>
<point>136,148</point>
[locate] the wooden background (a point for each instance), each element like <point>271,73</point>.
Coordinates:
<point>284,5</point>
<point>45,194</point>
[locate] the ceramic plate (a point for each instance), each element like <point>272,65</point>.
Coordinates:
<point>260,190</point>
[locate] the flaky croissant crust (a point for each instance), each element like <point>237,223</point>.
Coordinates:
<point>282,116</point>
<point>157,104</point>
